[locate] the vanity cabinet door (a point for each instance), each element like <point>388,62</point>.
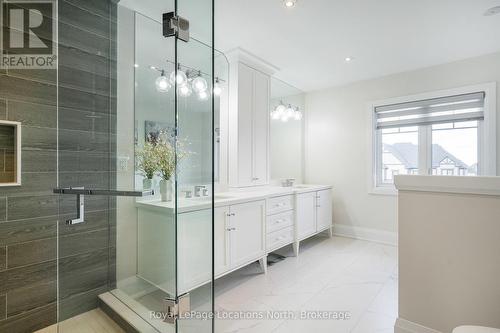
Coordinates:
<point>247,233</point>
<point>221,241</point>
<point>260,129</point>
<point>324,209</point>
<point>194,262</point>
<point>244,130</point>
<point>306,214</point>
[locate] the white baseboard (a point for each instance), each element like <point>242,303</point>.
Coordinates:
<point>405,326</point>
<point>373,235</point>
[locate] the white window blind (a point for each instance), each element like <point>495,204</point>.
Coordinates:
<point>466,107</point>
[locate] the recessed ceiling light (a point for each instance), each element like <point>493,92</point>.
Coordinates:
<point>348,59</point>
<point>289,3</point>
<point>492,11</point>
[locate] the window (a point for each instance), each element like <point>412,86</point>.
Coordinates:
<point>440,135</point>
<point>399,155</point>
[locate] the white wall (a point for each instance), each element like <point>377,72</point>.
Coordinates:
<point>453,279</point>
<point>337,140</point>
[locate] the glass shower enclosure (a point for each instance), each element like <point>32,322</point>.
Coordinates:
<point>135,188</point>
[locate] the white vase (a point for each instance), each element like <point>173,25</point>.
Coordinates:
<point>147,184</point>
<point>166,190</point>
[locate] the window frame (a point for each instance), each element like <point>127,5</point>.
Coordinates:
<point>486,136</point>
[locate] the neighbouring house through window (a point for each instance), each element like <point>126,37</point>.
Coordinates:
<point>436,136</point>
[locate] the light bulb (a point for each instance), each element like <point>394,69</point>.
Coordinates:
<point>162,84</point>
<point>185,90</point>
<point>181,77</point>
<point>275,115</point>
<point>289,111</point>
<point>297,115</point>
<point>280,110</point>
<point>199,84</point>
<point>217,88</point>
<point>203,95</point>
<point>289,3</point>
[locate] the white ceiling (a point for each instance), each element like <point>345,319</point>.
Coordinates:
<point>310,42</point>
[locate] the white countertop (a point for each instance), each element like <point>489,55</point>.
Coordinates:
<point>228,198</point>
<point>449,184</point>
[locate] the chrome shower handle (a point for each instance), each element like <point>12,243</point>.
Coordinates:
<point>81,192</point>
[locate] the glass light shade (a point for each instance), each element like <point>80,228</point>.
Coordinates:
<point>275,115</point>
<point>297,115</point>
<point>185,90</point>
<point>217,88</point>
<point>199,84</point>
<point>284,118</point>
<point>203,95</point>
<point>181,77</point>
<point>162,84</point>
<point>280,110</point>
<point>290,112</point>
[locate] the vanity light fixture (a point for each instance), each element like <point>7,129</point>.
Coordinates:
<point>285,113</point>
<point>217,87</point>
<point>162,83</point>
<point>289,3</point>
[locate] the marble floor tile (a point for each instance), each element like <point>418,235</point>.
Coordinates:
<point>331,275</point>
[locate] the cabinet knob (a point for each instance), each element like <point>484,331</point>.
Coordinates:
<point>231,229</point>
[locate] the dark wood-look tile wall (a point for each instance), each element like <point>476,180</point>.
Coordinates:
<point>84,127</point>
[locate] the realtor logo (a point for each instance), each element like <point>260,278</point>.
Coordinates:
<point>28,36</point>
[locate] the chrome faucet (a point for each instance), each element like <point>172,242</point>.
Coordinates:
<point>288,182</point>
<point>198,189</point>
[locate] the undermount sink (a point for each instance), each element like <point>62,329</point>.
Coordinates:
<point>216,197</point>
<point>223,197</point>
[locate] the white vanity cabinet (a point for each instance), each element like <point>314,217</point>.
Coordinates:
<point>306,215</point>
<point>323,210</point>
<point>221,240</point>
<point>280,228</point>
<point>246,233</point>
<point>248,129</point>
<point>239,235</point>
<point>313,214</point>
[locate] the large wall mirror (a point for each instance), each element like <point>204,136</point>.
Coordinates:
<point>286,129</point>
<point>10,153</point>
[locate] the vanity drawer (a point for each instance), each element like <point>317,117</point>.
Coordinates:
<point>279,221</point>
<point>279,238</point>
<point>279,204</point>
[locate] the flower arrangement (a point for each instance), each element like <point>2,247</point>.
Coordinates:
<point>147,160</point>
<point>158,155</point>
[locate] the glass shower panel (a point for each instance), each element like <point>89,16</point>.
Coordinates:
<point>142,137</point>
<point>195,124</point>
<point>146,244</point>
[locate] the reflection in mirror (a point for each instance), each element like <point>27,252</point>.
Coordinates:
<point>286,130</point>
<point>10,153</point>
